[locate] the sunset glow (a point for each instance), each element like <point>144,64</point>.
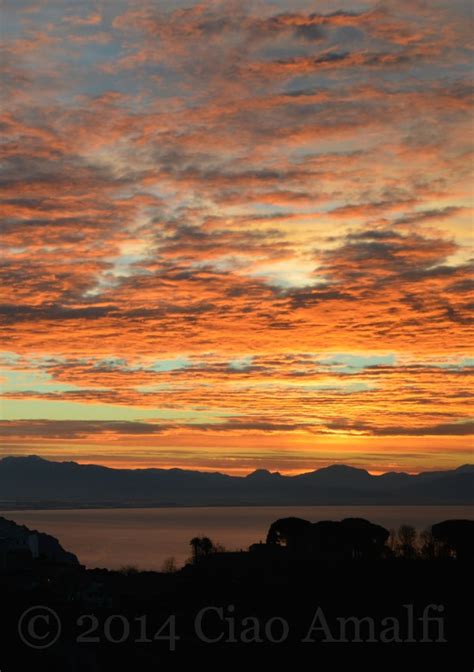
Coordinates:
<point>237,235</point>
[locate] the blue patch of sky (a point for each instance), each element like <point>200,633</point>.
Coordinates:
<point>11,20</point>
<point>170,364</point>
<point>241,363</point>
<point>349,388</point>
<point>45,409</point>
<point>31,381</point>
<point>321,7</point>
<point>151,389</point>
<point>465,362</point>
<point>336,387</point>
<point>7,357</point>
<point>351,363</point>
<point>158,365</point>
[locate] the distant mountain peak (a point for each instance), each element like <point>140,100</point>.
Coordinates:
<point>339,471</point>
<point>37,482</point>
<point>468,468</point>
<point>343,468</point>
<point>261,474</point>
<point>24,459</point>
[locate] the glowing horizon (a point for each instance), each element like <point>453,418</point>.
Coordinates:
<point>238,235</point>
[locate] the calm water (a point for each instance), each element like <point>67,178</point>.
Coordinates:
<point>114,538</point>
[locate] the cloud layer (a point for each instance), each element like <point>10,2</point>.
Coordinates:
<point>237,233</point>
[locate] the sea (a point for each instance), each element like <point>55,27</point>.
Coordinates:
<point>148,538</point>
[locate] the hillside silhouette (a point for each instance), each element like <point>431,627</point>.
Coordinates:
<point>272,605</point>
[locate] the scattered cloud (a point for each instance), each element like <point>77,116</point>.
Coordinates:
<point>257,217</point>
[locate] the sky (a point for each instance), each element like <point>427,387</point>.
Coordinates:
<point>237,235</point>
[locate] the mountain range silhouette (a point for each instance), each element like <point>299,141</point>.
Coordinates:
<point>32,481</point>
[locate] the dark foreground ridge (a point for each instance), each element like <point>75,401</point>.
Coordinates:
<point>343,594</point>
<point>33,482</point>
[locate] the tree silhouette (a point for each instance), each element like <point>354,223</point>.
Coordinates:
<point>202,546</point>
<point>169,566</point>
<point>327,537</point>
<point>352,538</point>
<point>290,532</point>
<point>430,547</point>
<point>457,538</point>
<point>407,542</point>
<point>392,541</point>
<point>364,540</point>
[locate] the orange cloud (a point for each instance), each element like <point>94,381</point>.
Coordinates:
<point>203,208</point>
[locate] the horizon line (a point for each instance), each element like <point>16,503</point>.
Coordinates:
<point>260,469</point>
